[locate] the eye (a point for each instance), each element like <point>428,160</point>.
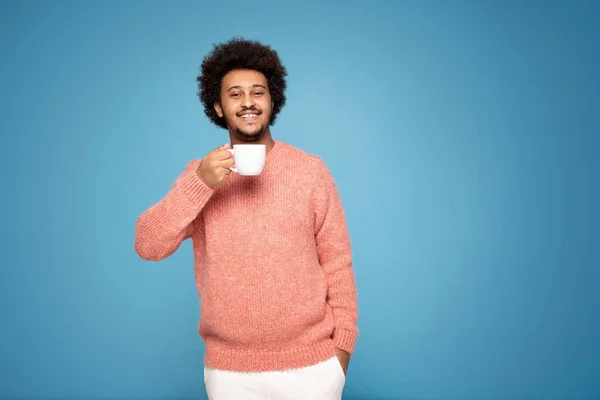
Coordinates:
<point>235,95</point>
<point>258,93</point>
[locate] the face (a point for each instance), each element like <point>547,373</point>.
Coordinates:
<point>245,104</point>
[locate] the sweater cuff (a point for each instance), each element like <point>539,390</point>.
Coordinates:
<point>344,339</point>
<point>194,188</point>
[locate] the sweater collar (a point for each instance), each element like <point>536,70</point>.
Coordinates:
<point>275,151</point>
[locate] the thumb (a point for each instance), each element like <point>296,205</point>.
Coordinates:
<point>221,148</point>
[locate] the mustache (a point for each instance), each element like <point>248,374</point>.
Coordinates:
<point>245,109</point>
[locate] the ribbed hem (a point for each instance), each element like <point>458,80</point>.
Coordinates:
<point>194,188</point>
<point>344,339</point>
<point>222,357</point>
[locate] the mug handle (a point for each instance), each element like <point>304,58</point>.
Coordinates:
<point>232,168</point>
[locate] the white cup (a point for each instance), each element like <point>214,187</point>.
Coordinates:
<point>249,158</point>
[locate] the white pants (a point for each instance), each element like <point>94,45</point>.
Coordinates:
<point>323,381</point>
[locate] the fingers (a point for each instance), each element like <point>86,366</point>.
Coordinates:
<point>220,149</point>
<point>215,167</point>
<point>221,158</point>
<point>222,153</point>
<point>227,162</point>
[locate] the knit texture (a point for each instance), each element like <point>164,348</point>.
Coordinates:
<point>272,261</point>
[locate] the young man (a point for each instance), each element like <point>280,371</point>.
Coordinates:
<point>273,267</point>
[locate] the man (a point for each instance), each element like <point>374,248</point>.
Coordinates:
<point>272,256</point>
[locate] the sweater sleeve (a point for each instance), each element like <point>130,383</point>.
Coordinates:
<point>161,229</point>
<point>335,256</point>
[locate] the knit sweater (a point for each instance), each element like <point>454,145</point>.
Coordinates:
<point>272,261</point>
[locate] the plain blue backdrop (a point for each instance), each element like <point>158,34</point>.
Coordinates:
<point>463,136</point>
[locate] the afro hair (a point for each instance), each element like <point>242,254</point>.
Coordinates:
<point>239,53</point>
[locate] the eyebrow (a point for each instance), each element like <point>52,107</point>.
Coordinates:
<point>255,85</point>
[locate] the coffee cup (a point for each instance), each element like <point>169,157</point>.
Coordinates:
<point>249,158</point>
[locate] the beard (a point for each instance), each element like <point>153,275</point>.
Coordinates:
<point>250,135</point>
<point>247,134</point>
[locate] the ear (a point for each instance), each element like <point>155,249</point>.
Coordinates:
<point>218,108</point>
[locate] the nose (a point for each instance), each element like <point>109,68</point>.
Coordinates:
<point>247,101</point>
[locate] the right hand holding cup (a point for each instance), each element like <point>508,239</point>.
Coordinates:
<point>216,166</point>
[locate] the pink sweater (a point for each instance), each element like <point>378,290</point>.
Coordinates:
<point>272,262</point>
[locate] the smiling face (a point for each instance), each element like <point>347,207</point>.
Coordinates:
<point>245,104</point>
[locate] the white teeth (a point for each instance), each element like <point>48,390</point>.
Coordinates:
<point>248,115</point>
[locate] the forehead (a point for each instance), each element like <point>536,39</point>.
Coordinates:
<point>245,78</point>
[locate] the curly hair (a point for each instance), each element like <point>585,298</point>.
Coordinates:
<point>239,53</point>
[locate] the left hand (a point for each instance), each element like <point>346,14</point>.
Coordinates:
<point>344,359</point>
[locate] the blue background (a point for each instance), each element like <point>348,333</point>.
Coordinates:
<point>463,136</point>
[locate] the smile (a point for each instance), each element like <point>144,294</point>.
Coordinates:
<point>249,117</point>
